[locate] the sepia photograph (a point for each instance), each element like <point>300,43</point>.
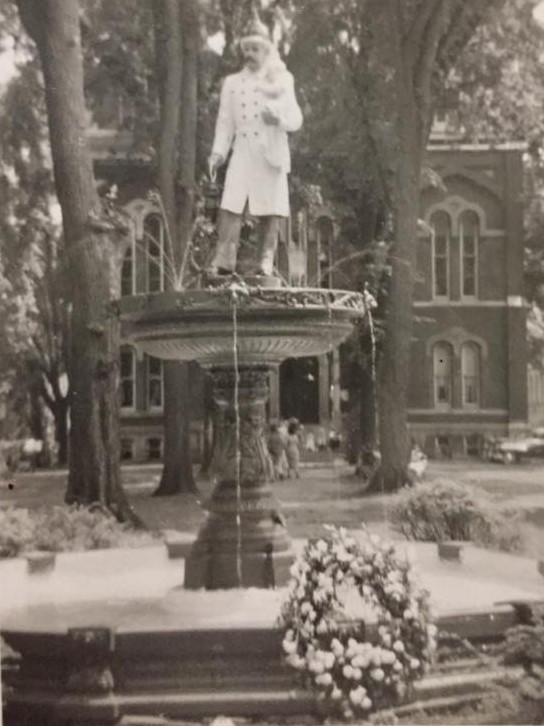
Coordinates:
<point>271,362</point>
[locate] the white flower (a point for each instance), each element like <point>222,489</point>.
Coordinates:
<point>377,674</point>
<point>296,661</point>
<point>323,679</point>
<point>328,660</point>
<point>289,646</point>
<point>398,646</point>
<point>388,657</point>
<point>321,627</point>
<point>305,608</point>
<point>432,630</point>
<point>336,694</point>
<point>376,657</point>
<point>337,647</point>
<point>321,546</point>
<point>357,695</point>
<point>316,666</point>
<point>386,640</point>
<point>408,614</point>
<point>366,704</point>
<point>397,666</point>
<point>357,674</point>
<point>347,670</point>
<point>294,569</point>
<point>414,663</point>
<point>360,661</point>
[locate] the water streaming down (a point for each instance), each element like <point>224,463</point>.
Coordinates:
<point>370,303</point>
<point>234,298</point>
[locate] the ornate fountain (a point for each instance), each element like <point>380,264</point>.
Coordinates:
<point>239,333</point>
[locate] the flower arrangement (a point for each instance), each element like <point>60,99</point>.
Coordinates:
<point>356,662</point>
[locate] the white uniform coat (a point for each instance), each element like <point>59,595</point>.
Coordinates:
<point>251,177</point>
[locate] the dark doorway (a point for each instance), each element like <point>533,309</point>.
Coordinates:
<point>299,389</point>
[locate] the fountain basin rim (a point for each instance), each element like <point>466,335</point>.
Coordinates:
<point>247,300</point>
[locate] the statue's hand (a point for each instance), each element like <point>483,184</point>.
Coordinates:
<point>214,162</point>
<point>269,117</point>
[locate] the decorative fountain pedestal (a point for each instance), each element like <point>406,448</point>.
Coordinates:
<point>239,333</point>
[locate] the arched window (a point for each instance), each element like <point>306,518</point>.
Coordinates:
<point>127,272</point>
<point>441,226</point>
<point>469,231</point>
<point>154,371</point>
<point>325,234</point>
<point>154,247</point>
<point>471,374</point>
<point>443,375</point>
<point>127,383</point>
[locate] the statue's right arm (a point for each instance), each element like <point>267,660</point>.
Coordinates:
<point>224,126</point>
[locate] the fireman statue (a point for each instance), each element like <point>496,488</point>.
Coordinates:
<point>257,109</point>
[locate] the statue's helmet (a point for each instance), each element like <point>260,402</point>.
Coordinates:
<point>256,32</point>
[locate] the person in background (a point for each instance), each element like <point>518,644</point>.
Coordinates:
<point>293,451</point>
<point>321,439</point>
<point>277,444</point>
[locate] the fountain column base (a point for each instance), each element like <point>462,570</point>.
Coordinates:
<point>244,541</point>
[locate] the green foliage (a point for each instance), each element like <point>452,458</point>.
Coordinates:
<point>16,531</point>
<point>64,529</point>
<point>444,511</point>
<point>524,645</point>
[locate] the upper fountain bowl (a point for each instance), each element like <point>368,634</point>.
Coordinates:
<point>268,324</point>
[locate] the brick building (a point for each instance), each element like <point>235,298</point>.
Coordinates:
<point>469,361</point>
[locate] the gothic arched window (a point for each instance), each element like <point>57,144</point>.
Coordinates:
<point>469,232</point>
<point>443,375</point>
<point>441,226</point>
<point>127,382</point>
<point>471,374</point>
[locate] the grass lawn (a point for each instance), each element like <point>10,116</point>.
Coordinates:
<point>325,493</point>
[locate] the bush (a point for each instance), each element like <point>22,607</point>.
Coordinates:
<point>442,511</point>
<point>16,531</point>
<point>64,529</point>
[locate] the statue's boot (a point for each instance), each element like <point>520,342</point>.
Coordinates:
<point>269,241</point>
<point>228,229</point>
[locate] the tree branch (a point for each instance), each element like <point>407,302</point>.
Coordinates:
<point>423,71</point>
<point>464,19</point>
<point>413,37</point>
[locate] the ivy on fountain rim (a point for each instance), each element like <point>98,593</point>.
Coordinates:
<point>352,667</point>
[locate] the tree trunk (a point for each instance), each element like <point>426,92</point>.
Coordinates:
<point>60,413</point>
<point>179,29</point>
<point>395,359</point>
<point>405,102</point>
<point>94,249</point>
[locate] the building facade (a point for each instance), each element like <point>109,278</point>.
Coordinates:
<point>468,374</point>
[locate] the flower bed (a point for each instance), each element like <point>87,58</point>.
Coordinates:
<point>357,656</point>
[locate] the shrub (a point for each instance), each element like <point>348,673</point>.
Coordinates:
<point>64,529</point>
<point>16,531</point>
<point>444,510</point>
